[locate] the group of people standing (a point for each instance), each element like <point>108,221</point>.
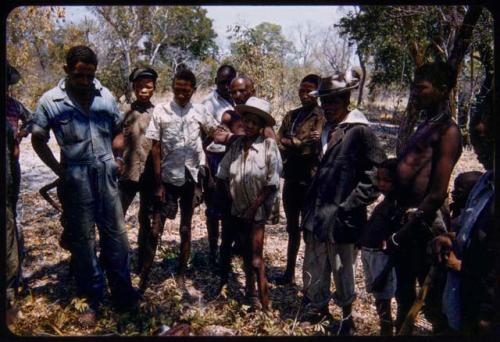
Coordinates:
<point>224,151</point>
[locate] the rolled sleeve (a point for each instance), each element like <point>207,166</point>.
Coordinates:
<point>154,129</point>
<point>274,164</point>
<point>40,121</point>
<point>208,122</point>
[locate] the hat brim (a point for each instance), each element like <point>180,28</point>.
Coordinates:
<point>268,119</point>
<point>330,92</point>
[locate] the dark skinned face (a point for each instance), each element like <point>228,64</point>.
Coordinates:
<point>223,83</point>
<point>241,90</point>
<point>483,144</point>
<point>81,77</point>
<point>427,96</point>
<point>305,99</point>
<point>335,109</point>
<point>252,124</point>
<point>144,89</point>
<point>383,181</point>
<point>183,91</point>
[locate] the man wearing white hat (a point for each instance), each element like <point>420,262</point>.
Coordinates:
<point>335,204</point>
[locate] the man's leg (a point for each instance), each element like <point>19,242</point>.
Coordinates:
<point>127,190</point>
<point>115,248</point>
<point>244,231</point>
<point>146,193</point>
<point>342,258</point>
<point>12,254</point>
<point>405,285</point>
<point>229,234</point>
<point>79,210</point>
<point>316,275</point>
<point>186,208</point>
<point>293,196</point>
<point>257,262</point>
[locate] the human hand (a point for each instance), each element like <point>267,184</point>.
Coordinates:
<point>314,135</point>
<point>452,261</point>
<point>21,134</point>
<point>120,165</point>
<point>440,247</point>
<point>251,211</point>
<point>160,193</point>
<point>286,141</point>
<point>484,326</point>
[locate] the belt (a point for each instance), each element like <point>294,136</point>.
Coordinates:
<point>102,158</point>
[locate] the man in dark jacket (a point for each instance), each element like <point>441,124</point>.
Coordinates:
<point>335,205</point>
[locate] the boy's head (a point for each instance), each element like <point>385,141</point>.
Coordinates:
<point>144,83</point>
<point>433,83</point>
<point>307,85</point>
<point>462,186</point>
<point>233,121</point>
<point>183,86</point>
<point>386,175</point>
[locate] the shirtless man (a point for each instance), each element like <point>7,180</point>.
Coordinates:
<point>424,171</point>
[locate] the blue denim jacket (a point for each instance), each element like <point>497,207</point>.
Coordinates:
<point>478,198</point>
<point>82,138</point>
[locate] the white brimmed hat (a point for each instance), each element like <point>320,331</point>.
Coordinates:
<point>338,83</point>
<point>259,107</point>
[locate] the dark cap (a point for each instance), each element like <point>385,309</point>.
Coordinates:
<point>142,73</point>
<point>13,76</point>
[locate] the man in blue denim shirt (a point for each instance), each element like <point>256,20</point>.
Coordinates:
<point>84,118</point>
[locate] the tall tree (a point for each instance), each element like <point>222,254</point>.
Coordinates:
<point>29,42</point>
<point>162,36</point>
<point>399,39</point>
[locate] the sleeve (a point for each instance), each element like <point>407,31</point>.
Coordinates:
<point>207,120</point>
<point>41,120</point>
<point>26,117</point>
<point>224,165</point>
<point>273,163</point>
<point>154,129</point>
<point>365,191</point>
<point>283,128</point>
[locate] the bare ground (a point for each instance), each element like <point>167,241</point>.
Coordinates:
<point>48,307</point>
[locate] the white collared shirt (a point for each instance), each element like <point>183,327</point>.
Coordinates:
<point>249,174</point>
<point>178,130</point>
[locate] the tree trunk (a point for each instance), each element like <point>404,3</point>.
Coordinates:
<point>460,47</point>
<point>363,77</point>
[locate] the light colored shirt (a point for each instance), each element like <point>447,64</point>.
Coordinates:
<point>83,137</point>
<point>249,175</point>
<point>216,105</point>
<point>178,130</point>
<point>137,146</point>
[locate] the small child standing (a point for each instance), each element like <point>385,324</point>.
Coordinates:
<point>373,240</point>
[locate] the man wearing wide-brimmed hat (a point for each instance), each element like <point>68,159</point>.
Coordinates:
<point>251,169</point>
<point>335,205</point>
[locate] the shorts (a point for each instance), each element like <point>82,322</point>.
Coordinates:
<point>374,262</point>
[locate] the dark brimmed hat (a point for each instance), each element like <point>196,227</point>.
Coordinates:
<point>338,83</point>
<point>259,107</point>
<point>142,73</point>
<point>13,76</point>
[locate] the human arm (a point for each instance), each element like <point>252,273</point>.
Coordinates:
<point>39,138</point>
<point>370,154</point>
<point>154,132</point>
<point>447,155</point>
